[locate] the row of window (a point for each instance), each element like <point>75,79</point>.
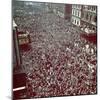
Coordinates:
<point>90,17</point>
<point>90,8</point>
<point>76,12</point>
<point>76,22</point>
<point>76,6</point>
<point>93,8</point>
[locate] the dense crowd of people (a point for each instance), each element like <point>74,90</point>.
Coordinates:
<point>60,61</point>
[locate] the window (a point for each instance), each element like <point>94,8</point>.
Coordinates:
<point>72,6</point>
<point>83,15</point>
<point>89,7</point>
<point>76,6</point>
<point>77,22</point>
<point>83,7</point>
<point>72,20</point>
<point>87,16</point>
<point>95,19</point>
<point>79,6</point>
<point>93,8</point>
<point>90,17</point>
<point>78,13</point>
<point>73,11</point>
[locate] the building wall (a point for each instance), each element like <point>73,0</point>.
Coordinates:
<point>76,21</point>
<point>62,10</point>
<point>89,18</point>
<point>68,12</point>
<point>59,9</point>
<point>76,15</point>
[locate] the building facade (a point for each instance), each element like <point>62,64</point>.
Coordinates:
<point>68,11</point>
<point>85,17</point>
<point>89,19</point>
<point>58,9</point>
<point>61,10</point>
<point>76,14</point>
